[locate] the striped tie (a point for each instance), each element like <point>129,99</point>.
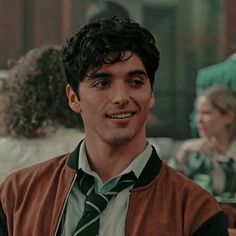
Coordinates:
<point>95,203</point>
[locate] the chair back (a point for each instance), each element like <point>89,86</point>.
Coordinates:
<point>232,232</point>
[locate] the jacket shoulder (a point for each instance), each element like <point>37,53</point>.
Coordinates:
<point>198,205</point>
<point>183,183</point>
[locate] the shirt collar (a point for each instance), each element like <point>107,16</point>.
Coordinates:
<point>136,166</point>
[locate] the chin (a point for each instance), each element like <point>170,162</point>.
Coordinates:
<point>202,135</point>
<point>119,139</point>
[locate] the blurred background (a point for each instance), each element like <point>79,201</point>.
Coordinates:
<point>191,34</point>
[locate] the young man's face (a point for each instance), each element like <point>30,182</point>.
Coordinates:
<point>115,103</point>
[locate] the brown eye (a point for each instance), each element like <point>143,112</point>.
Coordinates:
<point>102,84</point>
<point>136,82</point>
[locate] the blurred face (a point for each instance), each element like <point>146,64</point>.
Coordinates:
<point>115,102</point>
<point>210,121</point>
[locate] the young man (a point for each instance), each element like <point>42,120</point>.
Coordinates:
<point>114,182</point>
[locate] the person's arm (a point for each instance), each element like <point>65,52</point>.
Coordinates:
<point>207,146</point>
<point>216,225</point>
<point>3,222</point>
<point>189,146</point>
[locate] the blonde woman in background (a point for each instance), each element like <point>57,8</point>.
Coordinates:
<point>211,159</point>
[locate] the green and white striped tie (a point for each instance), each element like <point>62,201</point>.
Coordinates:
<point>95,203</point>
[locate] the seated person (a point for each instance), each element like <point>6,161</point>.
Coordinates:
<point>211,159</point>
<point>222,73</point>
<point>35,114</point>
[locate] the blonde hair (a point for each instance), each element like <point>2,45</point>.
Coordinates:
<point>222,99</point>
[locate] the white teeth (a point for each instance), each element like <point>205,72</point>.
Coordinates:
<point>121,116</point>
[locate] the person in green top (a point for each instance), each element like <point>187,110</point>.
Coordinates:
<point>211,159</point>
<point>223,73</point>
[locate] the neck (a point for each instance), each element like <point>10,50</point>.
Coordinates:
<point>109,160</point>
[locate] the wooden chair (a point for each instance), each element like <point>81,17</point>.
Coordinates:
<point>232,232</point>
<point>230,212</point>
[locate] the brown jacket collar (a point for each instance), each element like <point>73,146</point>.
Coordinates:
<point>150,171</point>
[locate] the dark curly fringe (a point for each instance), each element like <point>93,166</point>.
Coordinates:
<point>88,49</point>
<point>37,94</point>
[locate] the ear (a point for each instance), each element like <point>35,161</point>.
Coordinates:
<point>152,101</point>
<point>73,100</point>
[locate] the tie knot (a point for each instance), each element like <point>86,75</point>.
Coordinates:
<point>87,186</point>
<point>95,203</point>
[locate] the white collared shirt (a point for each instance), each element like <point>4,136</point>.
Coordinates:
<point>113,218</point>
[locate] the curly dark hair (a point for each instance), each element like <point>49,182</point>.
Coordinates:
<point>89,48</point>
<point>37,93</point>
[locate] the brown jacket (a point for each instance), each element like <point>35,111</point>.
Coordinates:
<point>162,202</point>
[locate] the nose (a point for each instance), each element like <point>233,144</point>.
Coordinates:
<point>199,118</point>
<point>120,95</point>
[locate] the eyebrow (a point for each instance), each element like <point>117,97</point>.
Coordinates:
<point>108,75</point>
<point>137,72</point>
<point>100,75</point>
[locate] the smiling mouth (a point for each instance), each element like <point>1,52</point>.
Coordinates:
<point>121,115</point>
